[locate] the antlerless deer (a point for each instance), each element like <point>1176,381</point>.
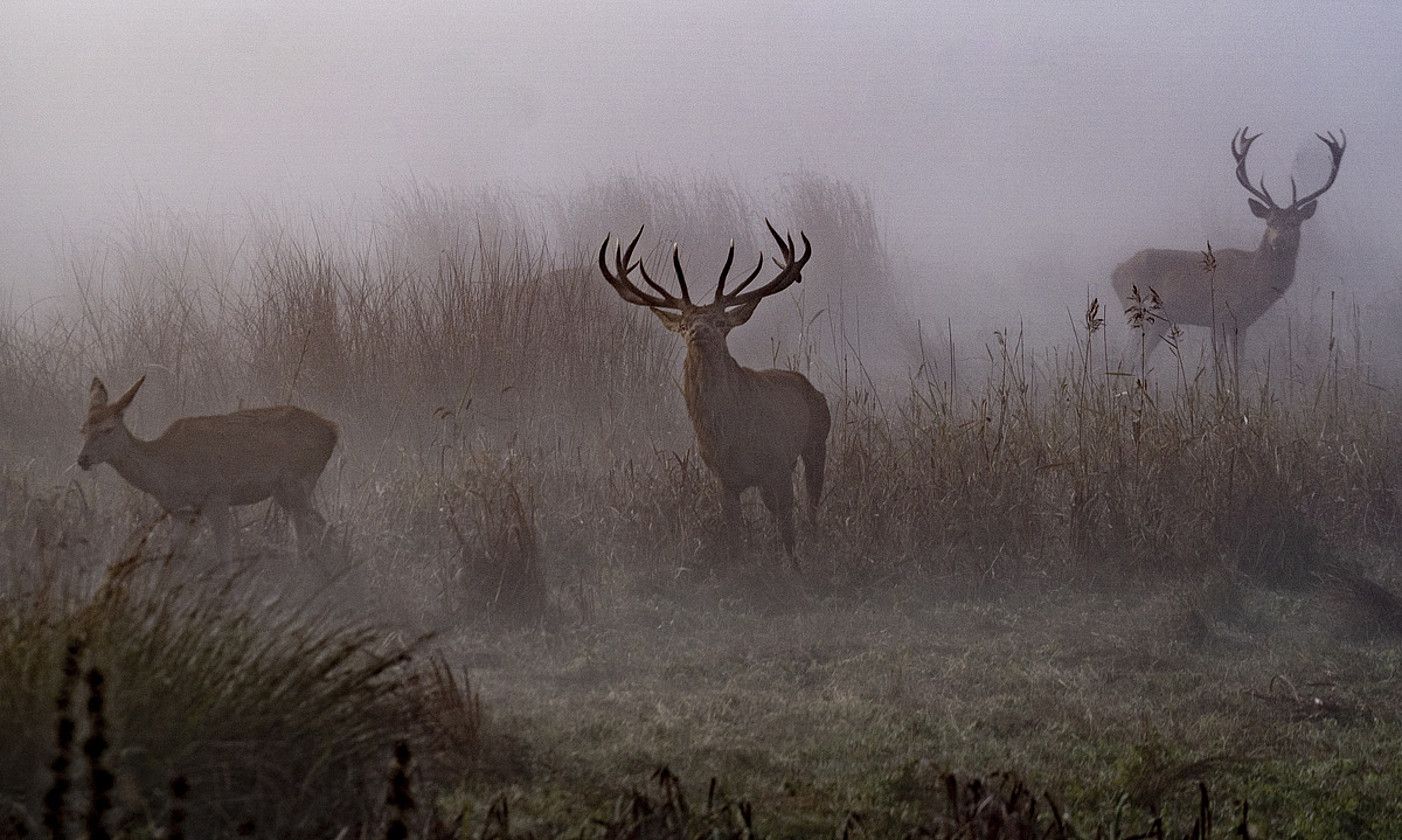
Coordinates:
<point>200,466</point>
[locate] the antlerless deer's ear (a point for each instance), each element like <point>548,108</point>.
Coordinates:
<point>125,399</point>
<point>97,393</point>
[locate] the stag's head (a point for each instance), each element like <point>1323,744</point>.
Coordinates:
<point>103,431</point>
<point>1283,223</point>
<point>702,323</point>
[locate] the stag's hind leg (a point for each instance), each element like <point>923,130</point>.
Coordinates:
<point>779,498</point>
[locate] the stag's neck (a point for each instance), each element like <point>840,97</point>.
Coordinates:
<point>139,462</point>
<point>712,381</point>
<point>1277,262</point>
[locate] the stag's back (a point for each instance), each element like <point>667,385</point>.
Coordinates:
<point>1190,294</point>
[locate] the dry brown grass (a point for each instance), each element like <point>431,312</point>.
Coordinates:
<point>516,454</point>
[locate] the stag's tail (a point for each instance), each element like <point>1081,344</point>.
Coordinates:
<point>815,450</point>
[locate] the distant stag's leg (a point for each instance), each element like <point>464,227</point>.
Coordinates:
<point>1151,334</point>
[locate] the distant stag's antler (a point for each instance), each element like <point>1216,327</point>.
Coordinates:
<point>790,272</point>
<point>1241,144</point>
<point>1336,151</point>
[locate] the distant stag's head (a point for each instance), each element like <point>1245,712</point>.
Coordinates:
<point>704,323</point>
<point>1283,223</point>
<point>103,431</point>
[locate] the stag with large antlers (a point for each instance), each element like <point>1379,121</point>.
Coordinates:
<point>1245,283</point>
<point>752,426</point>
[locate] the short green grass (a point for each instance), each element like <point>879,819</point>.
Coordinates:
<point>814,712</point>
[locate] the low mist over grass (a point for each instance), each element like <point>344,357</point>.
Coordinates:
<point>517,489</point>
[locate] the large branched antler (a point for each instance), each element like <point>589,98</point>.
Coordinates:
<point>1336,152</point>
<point>624,265</point>
<point>1241,144</point>
<point>790,272</point>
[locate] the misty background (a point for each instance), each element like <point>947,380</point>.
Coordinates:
<point>1014,152</point>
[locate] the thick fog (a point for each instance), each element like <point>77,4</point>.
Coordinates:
<point>1015,152</point>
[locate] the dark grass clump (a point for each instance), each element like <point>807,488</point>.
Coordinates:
<point>280,720</point>
<point>1000,808</point>
<point>400,798</point>
<point>179,803</point>
<point>65,728</point>
<point>100,778</point>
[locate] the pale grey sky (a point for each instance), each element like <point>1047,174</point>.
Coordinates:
<point>1000,140</point>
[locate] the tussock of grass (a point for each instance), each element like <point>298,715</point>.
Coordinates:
<point>272,718</point>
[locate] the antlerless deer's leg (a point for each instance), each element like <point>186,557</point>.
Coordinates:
<point>182,530</point>
<point>221,520</point>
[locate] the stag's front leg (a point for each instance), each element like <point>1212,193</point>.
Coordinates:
<point>778,497</point>
<point>732,522</point>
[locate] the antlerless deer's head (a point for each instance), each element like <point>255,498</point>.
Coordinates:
<point>103,431</point>
<point>707,323</point>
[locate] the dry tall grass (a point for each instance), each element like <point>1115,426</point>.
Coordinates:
<point>516,450</point>
<point>498,402</point>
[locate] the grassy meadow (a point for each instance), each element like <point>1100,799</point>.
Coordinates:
<point>1080,582</point>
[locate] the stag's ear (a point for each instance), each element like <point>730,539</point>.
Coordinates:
<point>1258,209</point>
<point>125,399</point>
<point>97,394</point>
<point>740,314</point>
<point>1307,210</point>
<point>670,320</point>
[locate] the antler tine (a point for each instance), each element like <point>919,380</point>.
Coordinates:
<point>665,295</point>
<point>759,266</point>
<point>1265,192</point>
<point>729,258</point>
<point>647,278</point>
<point>1336,153</point>
<point>791,271</point>
<point>677,267</point>
<point>618,277</point>
<point>1243,140</point>
<point>785,248</point>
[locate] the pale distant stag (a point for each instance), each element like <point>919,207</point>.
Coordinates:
<point>752,426</point>
<point>1245,283</point>
<point>200,466</point>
